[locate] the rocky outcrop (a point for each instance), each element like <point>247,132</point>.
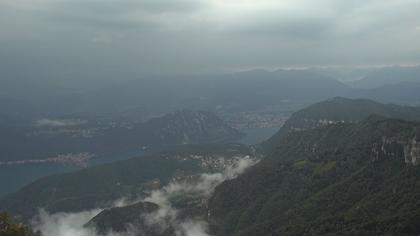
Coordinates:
<point>407,150</point>
<point>412,152</point>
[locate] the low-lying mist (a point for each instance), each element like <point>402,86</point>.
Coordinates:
<point>167,216</point>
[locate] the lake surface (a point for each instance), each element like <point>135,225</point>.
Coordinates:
<point>13,177</point>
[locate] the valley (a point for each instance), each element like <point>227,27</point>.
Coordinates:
<point>287,184</point>
<point>209,118</point>
<point>72,144</point>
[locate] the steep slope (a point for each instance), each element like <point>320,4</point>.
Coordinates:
<point>340,110</point>
<point>358,179</point>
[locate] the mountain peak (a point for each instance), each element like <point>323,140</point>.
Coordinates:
<point>191,127</point>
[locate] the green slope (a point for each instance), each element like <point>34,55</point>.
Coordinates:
<point>341,179</point>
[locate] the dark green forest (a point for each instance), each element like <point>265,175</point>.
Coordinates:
<point>342,179</point>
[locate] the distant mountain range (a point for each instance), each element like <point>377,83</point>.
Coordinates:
<point>250,91</point>
<point>242,91</point>
<point>400,93</point>
<point>388,76</point>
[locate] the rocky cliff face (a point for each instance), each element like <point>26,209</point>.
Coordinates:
<point>412,152</point>
<point>405,149</point>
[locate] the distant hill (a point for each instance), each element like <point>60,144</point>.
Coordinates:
<point>340,110</point>
<point>340,179</point>
<point>400,93</point>
<point>187,127</point>
<point>388,76</point>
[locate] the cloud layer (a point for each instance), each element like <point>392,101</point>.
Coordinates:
<point>167,36</point>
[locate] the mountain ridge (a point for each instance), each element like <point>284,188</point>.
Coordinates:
<point>340,110</point>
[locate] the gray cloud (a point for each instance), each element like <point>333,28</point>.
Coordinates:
<point>72,38</point>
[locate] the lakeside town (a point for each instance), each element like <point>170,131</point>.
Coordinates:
<point>69,159</point>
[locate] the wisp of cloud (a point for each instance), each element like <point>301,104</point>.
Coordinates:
<point>202,186</point>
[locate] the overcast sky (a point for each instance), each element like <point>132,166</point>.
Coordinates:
<point>54,38</point>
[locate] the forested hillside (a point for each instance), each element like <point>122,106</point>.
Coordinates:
<point>341,179</point>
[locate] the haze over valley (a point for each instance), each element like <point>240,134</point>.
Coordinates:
<point>209,117</point>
